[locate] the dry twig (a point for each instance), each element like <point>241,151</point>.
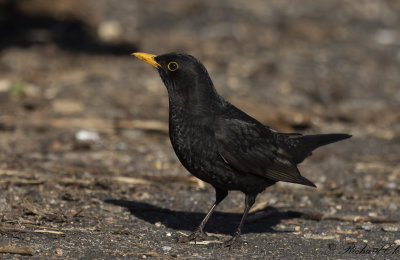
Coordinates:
<point>16,250</point>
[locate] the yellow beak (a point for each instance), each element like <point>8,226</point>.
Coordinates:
<point>148,58</point>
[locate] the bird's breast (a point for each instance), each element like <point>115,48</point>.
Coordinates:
<point>194,145</point>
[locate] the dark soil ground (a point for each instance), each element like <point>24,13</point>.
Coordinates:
<point>86,167</point>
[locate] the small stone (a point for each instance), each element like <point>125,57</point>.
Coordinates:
<point>85,135</point>
<point>385,36</point>
<point>393,207</point>
<point>390,229</point>
<point>366,227</point>
<point>110,31</point>
<point>166,248</point>
<point>158,224</point>
<point>305,198</point>
<point>5,85</point>
<point>397,242</point>
<point>59,251</point>
<point>272,200</point>
<point>168,234</point>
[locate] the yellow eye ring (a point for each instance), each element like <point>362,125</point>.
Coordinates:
<point>172,66</point>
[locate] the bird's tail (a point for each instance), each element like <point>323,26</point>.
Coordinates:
<point>308,143</point>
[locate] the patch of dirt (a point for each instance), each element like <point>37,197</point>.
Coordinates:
<point>86,167</point>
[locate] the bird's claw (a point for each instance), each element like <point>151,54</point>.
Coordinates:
<point>197,235</point>
<point>234,240</point>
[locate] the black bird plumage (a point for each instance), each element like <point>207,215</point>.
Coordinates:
<point>222,145</point>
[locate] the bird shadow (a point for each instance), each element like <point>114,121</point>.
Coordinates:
<point>24,30</point>
<point>221,222</point>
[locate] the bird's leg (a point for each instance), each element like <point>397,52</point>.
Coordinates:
<point>199,233</point>
<point>249,201</point>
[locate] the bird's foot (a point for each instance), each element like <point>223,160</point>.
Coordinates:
<point>197,235</point>
<point>234,240</point>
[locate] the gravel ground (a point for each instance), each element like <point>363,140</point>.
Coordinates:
<point>86,167</point>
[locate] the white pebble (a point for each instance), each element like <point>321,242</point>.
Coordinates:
<point>166,248</point>
<point>85,135</point>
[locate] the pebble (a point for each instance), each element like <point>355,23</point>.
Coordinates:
<point>272,200</point>
<point>166,248</point>
<point>391,186</point>
<point>385,36</point>
<point>5,85</point>
<point>390,229</point>
<point>85,135</point>
<point>59,251</point>
<point>109,31</point>
<point>158,224</point>
<point>366,227</point>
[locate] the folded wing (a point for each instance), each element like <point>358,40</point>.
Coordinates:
<point>252,148</point>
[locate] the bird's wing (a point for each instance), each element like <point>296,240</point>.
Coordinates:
<point>252,148</point>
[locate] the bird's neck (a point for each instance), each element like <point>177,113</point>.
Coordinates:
<point>199,100</point>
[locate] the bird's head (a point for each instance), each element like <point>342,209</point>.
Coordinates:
<point>185,77</point>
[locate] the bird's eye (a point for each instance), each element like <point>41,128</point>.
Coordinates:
<point>172,66</point>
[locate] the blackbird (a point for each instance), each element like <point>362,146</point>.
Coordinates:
<point>222,145</point>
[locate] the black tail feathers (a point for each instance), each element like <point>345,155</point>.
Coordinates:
<point>312,142</point>
<point>307,182</point>
<point>308,143</point>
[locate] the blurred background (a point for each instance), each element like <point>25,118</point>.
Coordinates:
<point>82,120</point>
